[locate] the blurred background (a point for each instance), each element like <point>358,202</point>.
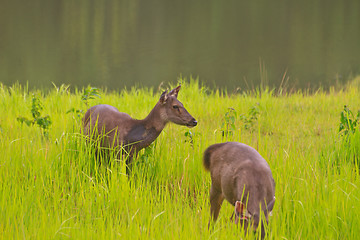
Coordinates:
<point>228,44</point>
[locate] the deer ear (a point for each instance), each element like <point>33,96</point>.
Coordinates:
<point>241,212</point>
<point>270,206</point>
<point>175,91</point>
<point>239,208</point>
<point>163,97</point>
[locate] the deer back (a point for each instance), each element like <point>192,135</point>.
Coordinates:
<point>107,122</point>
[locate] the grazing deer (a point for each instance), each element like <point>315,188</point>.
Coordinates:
<point>243,177</point>
<point>118,130</point>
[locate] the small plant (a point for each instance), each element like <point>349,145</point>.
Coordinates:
<point>347,149</point>
<point>348,122</point>
<point>228,126</point>
<point>78,112</point>
<point>250,120</point>
<point>43,122</point>
<point>189,135</point>
<point>89,93</point>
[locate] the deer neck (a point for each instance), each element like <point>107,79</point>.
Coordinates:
<point>145,131</point>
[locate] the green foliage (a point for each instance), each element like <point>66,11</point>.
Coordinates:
<point>190,137</point>
<point>348,122</point>
<point>347,147</point>
<point>228,126</point>
<point>88,94</point>
<point>43,122</point>
<point>251,118</point>
<point>77,112</point>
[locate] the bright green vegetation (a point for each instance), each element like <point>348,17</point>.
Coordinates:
<point>51,188</point>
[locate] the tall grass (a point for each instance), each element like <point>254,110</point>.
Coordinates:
<point>54,189</point>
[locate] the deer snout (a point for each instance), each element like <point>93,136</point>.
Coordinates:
<point>192,123</point>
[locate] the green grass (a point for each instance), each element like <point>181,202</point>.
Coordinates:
<point>51,188</point>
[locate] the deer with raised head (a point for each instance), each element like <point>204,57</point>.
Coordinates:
<point>242,176</point>
<point>119,130</point>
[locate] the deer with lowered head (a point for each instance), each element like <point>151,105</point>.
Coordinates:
<point>242,176</point>
<point>120,131</point>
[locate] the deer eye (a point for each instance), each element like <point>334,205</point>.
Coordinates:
<point>175,107</point>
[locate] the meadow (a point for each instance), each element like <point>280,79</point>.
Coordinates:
<point>51,187</point>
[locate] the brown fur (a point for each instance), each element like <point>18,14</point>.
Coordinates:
<point>117,129</point>
<point>239,174</point>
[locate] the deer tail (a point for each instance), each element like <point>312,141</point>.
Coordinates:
<point>207,155</point>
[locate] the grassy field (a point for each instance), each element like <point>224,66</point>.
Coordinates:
<point>51,188</point>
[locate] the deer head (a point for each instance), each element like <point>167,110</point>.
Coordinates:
<point>247,219</point>
<point>173,110</point>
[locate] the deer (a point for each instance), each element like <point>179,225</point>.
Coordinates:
<point>242,176</point>
<point>117,130</point>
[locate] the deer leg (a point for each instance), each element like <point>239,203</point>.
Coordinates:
<point>216,199</point>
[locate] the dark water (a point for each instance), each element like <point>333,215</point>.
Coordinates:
<point>125,43</point>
